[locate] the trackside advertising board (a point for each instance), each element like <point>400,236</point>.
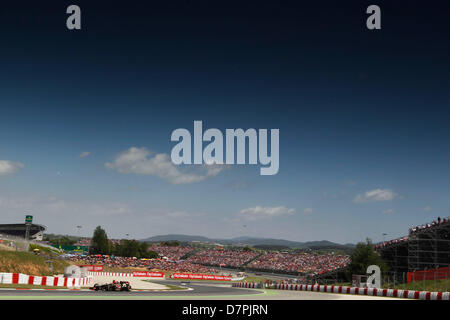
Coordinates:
<point>192,276</point>
<point>148,274</point>
<point>93,267</point>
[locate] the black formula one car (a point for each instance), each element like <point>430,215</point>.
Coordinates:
<point>114,286</point>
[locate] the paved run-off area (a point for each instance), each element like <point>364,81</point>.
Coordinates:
<point>136,283</point>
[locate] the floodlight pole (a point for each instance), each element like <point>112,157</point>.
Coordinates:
<point>27,236</point>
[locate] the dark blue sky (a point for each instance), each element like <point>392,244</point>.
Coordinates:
<point>360,113</point>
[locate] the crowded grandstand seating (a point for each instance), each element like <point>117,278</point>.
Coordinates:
<point>174,253</point>
<point>391,242</point>
<point>415,230</point>
<point>429,226</point>
<point>223,258</point>
<point>300,262</point>
<point>205,261</point>
<point>132,262</point>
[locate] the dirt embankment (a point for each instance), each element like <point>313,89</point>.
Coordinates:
<point>29,263</point>
<point>6,247</point>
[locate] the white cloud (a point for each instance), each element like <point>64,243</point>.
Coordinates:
<point>62,215</point>
<point>9,167</point>
<point>427,208</point>
<point>258,212</point>
<point>52,206</point>
<point>389,211</point>
<point>85,154</point>
<point>142,161</point>
<point>376,195</point>
<point>308,210</point>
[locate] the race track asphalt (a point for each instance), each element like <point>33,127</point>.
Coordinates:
<point>198,291</point>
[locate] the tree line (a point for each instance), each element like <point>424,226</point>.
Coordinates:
<point>60,240</point>
<point>361,257</point>
<point>126,248</point>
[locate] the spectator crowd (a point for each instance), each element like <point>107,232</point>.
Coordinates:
<point>223,258</point>
<point>300,262</point>
<point>391,242</point>
<point>132,262</point>
<point>207,260</point>
<point>413,231</point>
<point>173,253</point>
<point>431,225</point>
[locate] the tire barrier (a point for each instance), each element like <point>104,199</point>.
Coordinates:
<point>397,293</point>
<point>252,285</point>
<point>19,278</point>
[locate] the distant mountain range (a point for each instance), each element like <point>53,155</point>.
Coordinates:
<point>250,241</point>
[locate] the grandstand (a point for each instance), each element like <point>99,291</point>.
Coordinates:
<point>19,230</point>
<point>173,253</point>
<point>426,247</point>
<point>223,258</point>
<point>299,263</point>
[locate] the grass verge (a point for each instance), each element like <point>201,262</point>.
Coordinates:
<point>428,285</point>
<point>29,263</point>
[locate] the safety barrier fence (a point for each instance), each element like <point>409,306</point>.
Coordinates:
<point>110,274</point>
<point>194,276</point>
<point>431,274</point>
<point>143,274</point>
<point>19,278</point>
<point>160,275</point>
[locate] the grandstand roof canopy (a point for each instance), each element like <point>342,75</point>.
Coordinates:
<point>18,229</point>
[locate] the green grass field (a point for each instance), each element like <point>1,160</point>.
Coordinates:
<point>428,285</point>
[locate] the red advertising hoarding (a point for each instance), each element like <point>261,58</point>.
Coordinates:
<point>431,274</point>
<point>93,267</point>
<point>193,276</point>
<point>148,274</point>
